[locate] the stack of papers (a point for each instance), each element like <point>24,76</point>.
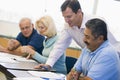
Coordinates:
<point>48,75</point>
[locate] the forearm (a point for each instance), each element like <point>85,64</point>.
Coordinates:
<point>16,52</point>
<point>4,50</point>
<point>40,58</point>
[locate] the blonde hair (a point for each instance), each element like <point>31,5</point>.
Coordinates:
<point>48,22</point>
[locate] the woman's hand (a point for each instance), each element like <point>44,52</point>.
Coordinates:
<point>27,50</point>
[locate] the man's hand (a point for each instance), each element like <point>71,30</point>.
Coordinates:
<point>70,75</point>
<point>43,67</point>
<point>73,75</point>
<point>13,44</point>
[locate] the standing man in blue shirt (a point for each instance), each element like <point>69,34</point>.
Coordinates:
<point>27,37</point>
<point>98,60</point>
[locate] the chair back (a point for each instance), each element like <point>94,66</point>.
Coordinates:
<point>70,61</point>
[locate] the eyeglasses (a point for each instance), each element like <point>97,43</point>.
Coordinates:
<point>26,28</point>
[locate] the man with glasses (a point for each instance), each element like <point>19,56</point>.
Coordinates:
<point>27,37</point>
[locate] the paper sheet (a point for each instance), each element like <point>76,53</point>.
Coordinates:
<point>27,78</point>
<point>6,57</point>
<point>48,75</point>
<point>7,60</point>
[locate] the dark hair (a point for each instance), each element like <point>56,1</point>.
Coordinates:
<point>73,4</point>
<point>98,27</point>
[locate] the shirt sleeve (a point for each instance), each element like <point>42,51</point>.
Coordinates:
<point>59,48</point>
<point>39,57</point>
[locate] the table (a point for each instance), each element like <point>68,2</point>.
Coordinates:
<point>16,66</point>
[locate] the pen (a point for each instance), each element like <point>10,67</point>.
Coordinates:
<point>15,59</point>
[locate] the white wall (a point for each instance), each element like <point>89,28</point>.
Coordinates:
<point>110,10</point>
<point>9,28</point>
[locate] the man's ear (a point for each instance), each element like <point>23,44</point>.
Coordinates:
<point>33,25</point>
<point>101,38</point>
<point>79,11</point>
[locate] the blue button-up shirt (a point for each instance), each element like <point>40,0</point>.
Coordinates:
<point>101,64</point>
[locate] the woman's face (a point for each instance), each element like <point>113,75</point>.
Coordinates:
<point>41,29</point>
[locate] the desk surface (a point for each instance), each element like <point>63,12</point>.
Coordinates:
<point>19,73</point>
<point>25,66</point>
<point>9,62</point>
<point>20,68</point>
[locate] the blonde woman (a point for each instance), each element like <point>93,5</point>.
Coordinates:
<point>46,27</point>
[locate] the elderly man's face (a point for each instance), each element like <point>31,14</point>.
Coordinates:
<point>91,42</point>
<point>26,28</point>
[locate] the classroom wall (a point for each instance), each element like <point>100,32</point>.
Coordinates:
<point>9,28</point>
